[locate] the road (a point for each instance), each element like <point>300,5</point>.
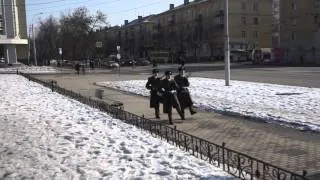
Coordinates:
<point>295,76</point>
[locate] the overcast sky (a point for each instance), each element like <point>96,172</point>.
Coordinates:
<point>116,10</point>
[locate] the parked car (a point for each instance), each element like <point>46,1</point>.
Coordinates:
<point>129,62</point>
<point>2,60</point>
<point>111,64</point>
<point>143,63</point>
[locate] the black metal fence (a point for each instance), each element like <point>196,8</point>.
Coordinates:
<point>233,162</point>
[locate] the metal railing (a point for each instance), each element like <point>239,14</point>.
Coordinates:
<point>233,162</point>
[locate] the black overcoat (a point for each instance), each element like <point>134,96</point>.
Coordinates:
<point>153,85</point>
<point>169,88</point>
<point>184,96</point>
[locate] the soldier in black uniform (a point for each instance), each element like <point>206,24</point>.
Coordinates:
<point>169,88</point>
<point>183,91</point>
<point>77,67</point>
<point>153,85</point>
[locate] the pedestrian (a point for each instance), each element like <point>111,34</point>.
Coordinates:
<point>153,85</point>
<point>154,64</point>
<point>83,69</point>
<point>169,88</point>
<point>77,67</point>
<point>184,96</point>
<point>181,64</point>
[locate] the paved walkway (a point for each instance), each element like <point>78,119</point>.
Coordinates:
<point>285,147</point>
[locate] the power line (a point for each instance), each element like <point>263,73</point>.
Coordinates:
<point>108,2</point>
<point>32,4</point>
<point>66,4</point>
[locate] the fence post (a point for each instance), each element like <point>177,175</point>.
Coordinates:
<point>185,142</point>
<point>223,159</point>
<point>52,85</point>
<point>175,135</point>
<point>239,166</point>
<point>304,173</point>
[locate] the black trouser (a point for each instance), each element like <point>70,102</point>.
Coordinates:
<point>180,112</point>
<point>157,111</point>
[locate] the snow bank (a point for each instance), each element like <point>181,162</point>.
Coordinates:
<point>289,105</point>
<point>47,136</point>
<point>29,69</point>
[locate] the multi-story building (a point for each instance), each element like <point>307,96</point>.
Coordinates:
<point>137,37</point>
<point>195,29</point>
<point>13,31</point>
<point>300,30</point>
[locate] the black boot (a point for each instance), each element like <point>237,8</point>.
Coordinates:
<point>181,113</point>
<point>192,110</point>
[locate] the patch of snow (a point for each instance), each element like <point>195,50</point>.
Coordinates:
<point>292,106</point>
<point>45,135</point>
<point>29,69</point>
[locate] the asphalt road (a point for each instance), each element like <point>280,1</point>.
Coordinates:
<point>295,76</point>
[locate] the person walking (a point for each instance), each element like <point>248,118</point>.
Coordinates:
<point>184,96</point>
<point>77,67</point>
<point>153,85</point>
<point>169,88</point>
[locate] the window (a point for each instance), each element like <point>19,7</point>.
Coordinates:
<point>316,4</point>
<point>244,6</point>
<point>255,21</point>
<point>293,36</point>
<point>255,7</point>
<point>243,34</point>
<point>316,19</point>
<point>244,20</point>
<point>255,34</point>
<point>314,51</point>
<point>294,21</point>
<point>294,5</point>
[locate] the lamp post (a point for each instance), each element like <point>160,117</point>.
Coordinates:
<point>34,42</point>
<point>227,46</point>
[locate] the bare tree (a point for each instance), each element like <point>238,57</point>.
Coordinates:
<point>47,40</point>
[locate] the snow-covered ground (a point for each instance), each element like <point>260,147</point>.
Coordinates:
<point>29,69</point>
<point>288,105</point>
<point>45,135</point>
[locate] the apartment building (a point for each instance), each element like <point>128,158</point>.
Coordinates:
<point>300,30</point>
<point>195,29</point>
<point>13,31</point>
<point>136,37</point>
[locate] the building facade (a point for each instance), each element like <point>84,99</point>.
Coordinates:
<point>194,30</point>
<point>300,30</point>
<point>13,31</point>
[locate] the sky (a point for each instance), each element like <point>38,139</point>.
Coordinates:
<point>116,10</point>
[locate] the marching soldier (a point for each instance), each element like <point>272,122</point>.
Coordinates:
<point>183,91</point>
<point>153,85</point>
<point>169,88</point>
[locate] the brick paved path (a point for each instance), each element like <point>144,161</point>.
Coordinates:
<point>285,147</point>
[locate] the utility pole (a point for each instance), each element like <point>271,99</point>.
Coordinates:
<point>227,49</point>
<point>34,47</point>
<point>29,47</point>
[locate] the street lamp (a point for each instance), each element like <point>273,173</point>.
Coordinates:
<point>34,41</point>
<point>227,46</point>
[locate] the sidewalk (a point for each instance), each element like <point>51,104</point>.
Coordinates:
<point>284,147</point>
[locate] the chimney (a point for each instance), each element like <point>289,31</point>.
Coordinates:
<point>139,18</point>
<point>186,2</point>
<point>126,22</point>
<point>171,6</point>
